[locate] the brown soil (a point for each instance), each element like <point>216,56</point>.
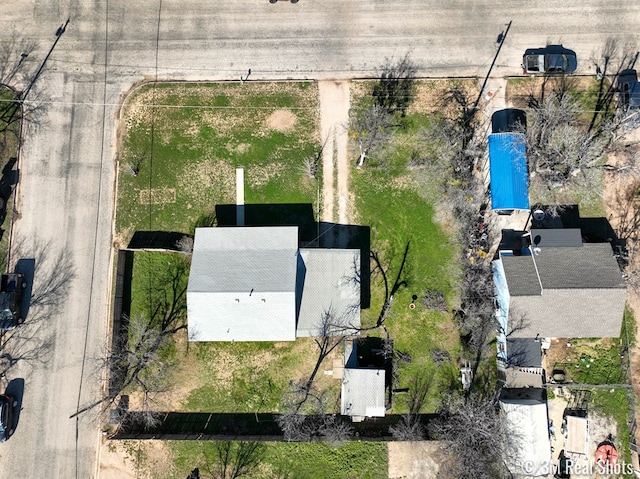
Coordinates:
<point>415,460</point>
<point>282,120</point>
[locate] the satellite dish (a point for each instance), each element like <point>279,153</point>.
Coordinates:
<point>538,215</point>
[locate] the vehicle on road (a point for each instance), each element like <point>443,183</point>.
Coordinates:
<point>549,60</point>
<point>629,89</point>
<point>7,405</point>
<point>11,286</point>
<point>292,1</point>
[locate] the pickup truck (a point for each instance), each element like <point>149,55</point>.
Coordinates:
<point>11,286</point>
<point>552,59</point>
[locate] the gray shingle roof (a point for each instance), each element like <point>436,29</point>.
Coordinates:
<point>331,283</point>
<point>583,293</point>
<point>242,284</point>
<point>521,275</point>
<point>590,266</point>
<point>570,313</point>
<point>556,237</point>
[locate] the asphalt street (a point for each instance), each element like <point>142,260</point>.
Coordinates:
<point>65,197</point>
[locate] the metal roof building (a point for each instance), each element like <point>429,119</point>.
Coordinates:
<point>242,284</point>
<point>254,284</point>
<point>526,428</point>
<point>508,172</point>
<point>363,393</point>
<point>331,285</point>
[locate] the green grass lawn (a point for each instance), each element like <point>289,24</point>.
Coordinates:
<point>392,202</point>
<point>352,460</point>
<point>185,141</point>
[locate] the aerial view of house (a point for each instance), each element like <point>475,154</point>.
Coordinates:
<point>303,239</point>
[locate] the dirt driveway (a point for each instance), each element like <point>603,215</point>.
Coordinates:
<point>334,119</point>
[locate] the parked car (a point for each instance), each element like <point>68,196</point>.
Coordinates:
<point>549,60</point>
<point>7,405</point>
<point>628,88</point>
<point>11,286</point>
<point>274,1</point>
<point>508,120</point>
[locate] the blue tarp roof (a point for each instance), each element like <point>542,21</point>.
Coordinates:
<point>509,176</point>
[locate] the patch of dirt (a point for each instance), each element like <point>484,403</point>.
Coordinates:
<point>518,92</point>
<point>282,120</point>
<point>334,116</point>
<point>431,93</point>
<point>415,460</point>
<point>116,461</point>
<point>615,212</point>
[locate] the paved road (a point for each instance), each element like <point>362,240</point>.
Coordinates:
<point>67,166</point>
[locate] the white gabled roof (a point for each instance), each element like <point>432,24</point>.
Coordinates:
<point>242,284</point>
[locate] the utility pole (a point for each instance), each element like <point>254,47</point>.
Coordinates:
<point>501,38</point>
<point>23,95</point>
<point>61,29</point>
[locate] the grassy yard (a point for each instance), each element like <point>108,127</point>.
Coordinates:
<point>352,460</point>
<point>181,144</point>
<point>9,139</point>
<point>616,404</point>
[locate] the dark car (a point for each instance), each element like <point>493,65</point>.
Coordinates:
<point>629,89</point>
<point>7,405</point>
<point>11,286</point>
<point>552,59</point>
<point>508,120</point>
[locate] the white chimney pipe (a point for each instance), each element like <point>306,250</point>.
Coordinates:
<point>240,196</point>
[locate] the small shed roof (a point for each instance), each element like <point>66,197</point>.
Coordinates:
<point>524,352</point>
<point>526,429</point>
<point>577,435</point>
<point>242,284</point>
<point>509,176</point>
<point>363,392</point>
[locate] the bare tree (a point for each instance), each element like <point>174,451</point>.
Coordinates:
<point>334,429</point>
<point>134,360</point>
<point>233,459</point>
<point>395,90</point>
<point>565,149</point>
<point>371,129</point>
<point>471,425</point>
<point>409,428</point>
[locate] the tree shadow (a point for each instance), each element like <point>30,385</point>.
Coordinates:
<point>48,275</point>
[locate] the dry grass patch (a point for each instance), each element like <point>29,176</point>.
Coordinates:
<point>157,196</point>
<point>282,120</point>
